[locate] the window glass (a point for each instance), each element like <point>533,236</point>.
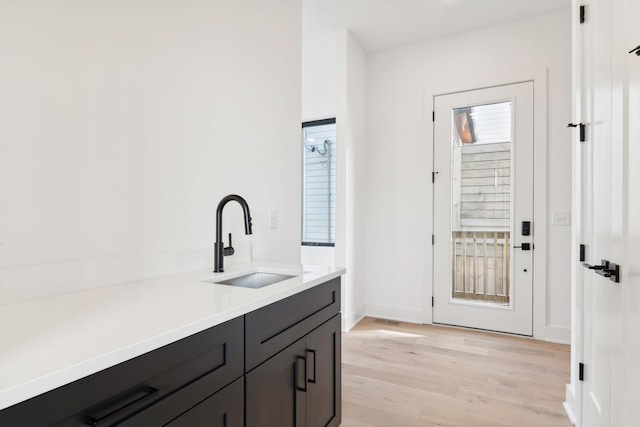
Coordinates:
<point>319,182</point>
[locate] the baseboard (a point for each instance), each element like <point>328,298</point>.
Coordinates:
<point>557,335</point>
<point>551,333</point>
<point>569,412</point>
<point>570,405</point>
<point>348,324</point>
<point>394,313</point>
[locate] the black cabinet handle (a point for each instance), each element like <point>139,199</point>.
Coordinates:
<point>106,414</point>
<point>300,373</point>
<point>312,354</point>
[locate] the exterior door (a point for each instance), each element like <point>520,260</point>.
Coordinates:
<point>483,209</point>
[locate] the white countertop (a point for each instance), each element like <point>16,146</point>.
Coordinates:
<point>49,342</point>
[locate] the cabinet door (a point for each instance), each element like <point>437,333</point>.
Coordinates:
<point>323,348</point>
<point>275,393</point>
<point>223,409</point>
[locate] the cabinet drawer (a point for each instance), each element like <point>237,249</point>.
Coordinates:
<point>223,409</point>
<point>272,328</point>
<point>111,396</point>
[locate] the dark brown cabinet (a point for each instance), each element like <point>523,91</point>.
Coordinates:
<point>276,366</point>
<point>272,398</point>
<point>149,390</point>
<point>324,386</point>
<point>300,385</point>
<point>223,409</point>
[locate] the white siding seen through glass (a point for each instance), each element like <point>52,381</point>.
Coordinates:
<point>319,184</point>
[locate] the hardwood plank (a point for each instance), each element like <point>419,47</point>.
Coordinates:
<point>402,374</point>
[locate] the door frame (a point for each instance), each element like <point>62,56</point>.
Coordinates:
<point>539,78</point>
<point>574,390</point>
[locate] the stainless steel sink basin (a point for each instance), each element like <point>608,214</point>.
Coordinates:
<point>256,280</point>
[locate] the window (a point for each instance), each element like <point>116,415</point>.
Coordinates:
<point>319,182</point>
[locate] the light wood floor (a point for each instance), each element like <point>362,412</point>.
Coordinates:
<point>405,375</point>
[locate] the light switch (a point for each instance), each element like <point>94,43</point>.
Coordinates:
<point>561,218</point>
<point>273,219</point>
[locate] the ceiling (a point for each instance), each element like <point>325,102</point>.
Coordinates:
<point>386,24</point>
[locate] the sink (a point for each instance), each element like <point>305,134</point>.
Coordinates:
<point>256,280</point>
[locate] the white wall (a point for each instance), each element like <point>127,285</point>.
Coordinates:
<point>123,125</point>
<point>398,219</point>
<point>351,126</point>
<point>334,85</point>
<point>319,75</point>
<point>319,101</point>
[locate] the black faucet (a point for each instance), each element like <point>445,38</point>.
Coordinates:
<point>219,250</point>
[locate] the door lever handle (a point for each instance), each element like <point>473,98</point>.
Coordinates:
<point>524,247</point>
<point>583,130</point>
<point>594,267</point>
<point>606,269</point>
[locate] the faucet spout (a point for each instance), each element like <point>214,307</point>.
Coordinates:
<point>219,245</point>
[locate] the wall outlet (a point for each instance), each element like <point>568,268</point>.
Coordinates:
<point>561,218</point>
<point>273,219</point>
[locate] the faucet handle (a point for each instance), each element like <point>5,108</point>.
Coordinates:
<point>229,249</point>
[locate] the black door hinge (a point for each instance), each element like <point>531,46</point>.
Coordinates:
<point>582,14</point>
<point>433,302</point>
<point>581,371</point>
<point>583,255</point>
<point>433,176</point>
<point>433,116</point>
<point>433,239</point>
<point>583,130</point>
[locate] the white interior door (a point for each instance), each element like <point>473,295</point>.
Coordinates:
<point>603,226</point>
<point>630,368</point>
<point>483,209</point>
<point>608,344</point>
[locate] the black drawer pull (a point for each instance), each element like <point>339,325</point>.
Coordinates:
<point>300,373</point>
<point>312,353</point>
<point>100,417</point>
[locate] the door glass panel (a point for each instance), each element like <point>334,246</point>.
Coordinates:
<point>481,203</point>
